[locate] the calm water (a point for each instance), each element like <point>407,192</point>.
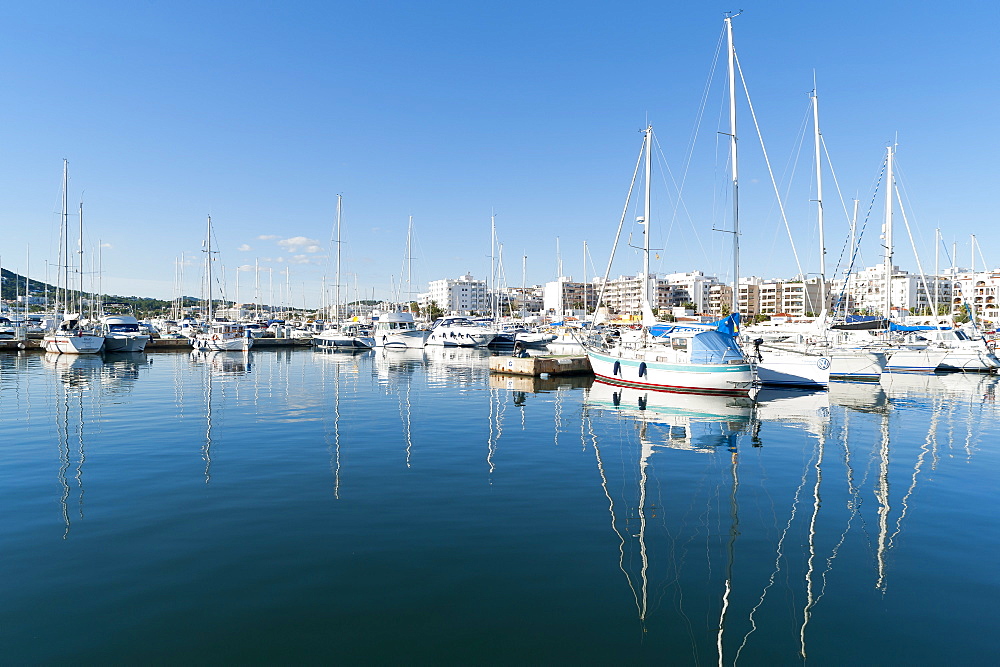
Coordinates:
<point>407,508</point>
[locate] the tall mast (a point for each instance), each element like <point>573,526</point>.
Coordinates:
<point>79,253</point>
<point>64,231</point>
<point>583,281</point>
<point>732,154</point>
<point>937,269</point>
<point>524,270</point>
<point>491,287</point>
<point>887,235</point>
<point>819,199</point>
<point>646,296</point>
<point>336,300</point>
<point>208,269</point>
<point>409,261</point>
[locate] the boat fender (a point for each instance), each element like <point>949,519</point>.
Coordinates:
<point>215,336</point>
<point>991,345</point>
<point>642,373</point>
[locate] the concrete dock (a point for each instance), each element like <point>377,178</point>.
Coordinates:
<point>541,365</point>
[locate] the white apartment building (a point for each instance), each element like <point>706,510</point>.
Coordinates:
<point>623,295</point>
<point>563,297</point>
<point>528,299</point>
<point>461,296</point>
<point>865,292</point>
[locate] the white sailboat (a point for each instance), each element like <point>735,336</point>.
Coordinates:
<point>219,336</point>
<point>698,359</point>
<point>69,335</point>
<point>339,336</point>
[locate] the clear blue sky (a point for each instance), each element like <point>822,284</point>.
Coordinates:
<point>259,113</point>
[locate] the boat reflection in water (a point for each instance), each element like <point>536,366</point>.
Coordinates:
<point>694,422</point>
<point>664,508</point>
<point>224,362</point>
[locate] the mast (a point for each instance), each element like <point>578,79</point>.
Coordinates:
<point>524,270</point>
<point>732,153</point>
<point>64,232</point>
<point>646,296</point>
<point>491,287</point>
<point>208,270</point>
<point>887,234</point>
<point>79,254</point>
<point>937,269</point>
<point>336,299</point>
<point>819,198</point>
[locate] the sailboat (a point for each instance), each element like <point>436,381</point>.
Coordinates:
<point>219,336</point>
<point>69,335</point>
<point>698,359</point>
<point>398,330</point>
<point>340,336</point>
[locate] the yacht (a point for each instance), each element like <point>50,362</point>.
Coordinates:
<point>397,330</point>
<point>459,332</point>
<point>122,334</point>
<point>344,337</point>
<point>223,336</point>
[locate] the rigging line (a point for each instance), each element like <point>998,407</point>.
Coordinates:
<point>767,161</point>
<point>611,510</point>
<point>693,140</point>
<point>854,251</point>
<point>904,502</point>
<point>779,556</point>
<point>664,172</point>
<point>923,276</point>
<point>621,224</point>
<point>836,183</point>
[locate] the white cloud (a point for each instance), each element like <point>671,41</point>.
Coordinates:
<point>244,248</point>
<point>302,259</point>
<point>268,237</point>
<point>106,245</point>
<point>313,249</point>
<point>297,243</point>
<point>246,268</point>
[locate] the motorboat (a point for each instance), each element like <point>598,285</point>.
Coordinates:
<point>459,332</point>
<point>122,333</point>
<point>397,330</point>
<point>223,337</point>
<point>344,337</point>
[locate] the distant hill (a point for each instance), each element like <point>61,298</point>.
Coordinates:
<point>12,285</point>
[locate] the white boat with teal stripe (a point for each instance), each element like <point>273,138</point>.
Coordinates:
<point>680,359</point>
<point>689,358</point>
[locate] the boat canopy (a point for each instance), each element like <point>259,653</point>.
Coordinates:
<point>729,326</point>
<point>715,347</point>
<point>900,327</point>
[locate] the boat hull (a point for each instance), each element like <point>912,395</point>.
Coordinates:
<point>793,369</point>
<point>76,344</point>
<point>915,361</point>
<point>857,365</point>
<point>120,343</point>
<point>222,344</point>
<point>345,343</point>
<point>720,379</point>
<point>401,340</point>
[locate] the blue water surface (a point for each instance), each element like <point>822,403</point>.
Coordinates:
<point>405,507</point>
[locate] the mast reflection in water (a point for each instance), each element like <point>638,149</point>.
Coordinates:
<point>406,506</point>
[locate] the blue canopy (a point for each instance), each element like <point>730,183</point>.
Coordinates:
<point>729,325</point>
<point>715,347</point>
<point>899,327</point>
